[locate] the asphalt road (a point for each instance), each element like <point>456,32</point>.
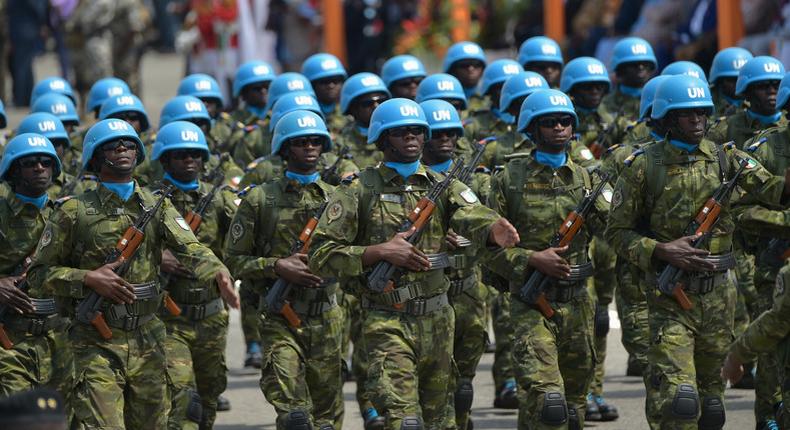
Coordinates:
<point>161,74</point>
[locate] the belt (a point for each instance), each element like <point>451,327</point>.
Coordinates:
<point>34,325</point>
<point>308,294</point>
<point>564,294</point>
<point>203,310</point>
<point>43,307</point>
<point>458,286</point>
<point>415,307</point>
<point>705,284</point>
<point>401,294</point>
<point>129,317</point>
<point>314,308</point>
<point>193,295</point>
<point>129,323</point>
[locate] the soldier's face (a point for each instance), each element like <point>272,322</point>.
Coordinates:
<point>32,175</point>
<point>363,106</point>
<point>688,125</point>
<point>515,107</point>
<point>405,88</point>
<point>183,164</point>
<point>327,90</point>
<point>120,157</point>
<point>554,131</point>
<point>762,96</point>
<point>60,147</point>
<point>256,94</point>
<point>549,71</point>
<point>441,146</point>
<point>457,104</point>
<point>468,72</point>
<point>304,152</point>
<point>132,118</point>
<point>404,144</point>
<point>494,91</point>
<point>213,106</point>
<point>635,74</point>
<point>588,94</point>
<point>727,86</point>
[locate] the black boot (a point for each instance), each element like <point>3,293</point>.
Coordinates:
<point>592,413</point>
<point>223,404</point>
<point>507,396</point>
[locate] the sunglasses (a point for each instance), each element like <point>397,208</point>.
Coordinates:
<point>29,162</point>
<point>405,131</point>
<point>407,82</point>
<point>183,154</point>
<point>465,64</point>
<point>337,80</point>
<point>552,121</point>
<point>114,145</point>
<point>764,85</point>
<point>303,142</point>
<point>438,134</point>
<point>128,116</point>
<point>373,101</point>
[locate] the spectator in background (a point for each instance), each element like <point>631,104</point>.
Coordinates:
<point>298,27</point>
<point>166,24</point>
<point>761,20</point>
<point>697,36</point>
<point>26,18</point>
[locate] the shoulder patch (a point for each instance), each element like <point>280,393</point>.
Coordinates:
<point>224,115</point>
<point>469,196</point>
<point>630,159</point>
<point>753,147</point>
<point>246,190</point>
<point>349,179</point>
<point>236,231</point>
<point>617,198</point>
<point>612,148</point>
<point>586,154</point>
<point>780,286</point>
<point>182,223</point>
<point>334,212</point>
<point>46,237</point>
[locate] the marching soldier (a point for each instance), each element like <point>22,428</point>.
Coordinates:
<point>361,95</point>
<point>326,75</point>
<point>633,63</point>
<point>402,74</point>
<point>723,77</point>
<point>466,61</point>
<point>542,55</point>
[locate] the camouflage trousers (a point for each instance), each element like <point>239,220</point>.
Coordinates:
<point>301,368</point>
<point>783,357</point>
<point>552,357</point>
<point>352,334</point>
<point>766,379</point>
<point>120,383</point>
<point>28,364</point>
<point>604,286</point>
<point>250,317</point>
<point>410,365</point>
<point>195,365</point>
<point>502,370</point>
<point>469,343</point>
<point>686,351</point>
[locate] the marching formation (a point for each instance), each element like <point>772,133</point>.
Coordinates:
<point>375,224</point>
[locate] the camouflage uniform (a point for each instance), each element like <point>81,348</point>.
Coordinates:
<point>128,29</point>
<point>336,121</point>
<point>723,106</point>
<point>195,343</point>
<point>362,154</point>
<point>266,169</point>
<point>120,382</point>
<point>151,172</point>
<point>89,39</point>
<point>687,347</point>
<point>625,107</point>
<point>409,351</point>
<point>739,128</point>
<point>551,357</point>
<point>301,365</point>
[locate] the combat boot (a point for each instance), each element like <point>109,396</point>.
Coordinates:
<point>633,368</point>
<point>608,412</point>
<point>506,397</point>
<point>592,413</point>
<point>223,404</point>
<point>253,357</point>
<point>373,421</point>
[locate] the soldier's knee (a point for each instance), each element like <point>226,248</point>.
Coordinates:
<point>411,423</point>
<point>685,404</point>
<point>194,407</point>
<point>555,410</point>
<point>297,420</point>
<point>573,419</point>
<point>464,395</point>
<point>713,415</point>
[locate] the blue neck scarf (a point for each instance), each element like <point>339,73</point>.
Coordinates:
<point>656,136</point>
<point>764,119</point>
<point>469,92</point>
<point>732,101</point>
<point>362,130</point>
<point>552,160</point>
<point>505,117</point>
<point>38,202</point>
<point>123,190</point>
<point>403,169</point>
<point>442,167</point>
<point>258,111</point>
<point>183,186</point>
<point>683,145</point>
<point>631,91</point>
<point>327,108</point>
<point>303,179</point>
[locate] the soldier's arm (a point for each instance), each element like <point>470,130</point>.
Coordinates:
<point>240,241</point>
<point>509,263</point>
<point>334,251</point>
<point>470,218</point>
<point>757,180</point>
<point>764,222</point>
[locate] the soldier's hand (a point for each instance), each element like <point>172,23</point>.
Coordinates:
<point>171,265</point>
<point>732,370</point>
<point>109,285</point>
<point>12,296</point>
<point>550,263</point>
<point>227,290</point>
<point>294,269</point>
<point>401,253</point>
<point>503,234</point>
<point>682,255</point>
<point>452,240</point>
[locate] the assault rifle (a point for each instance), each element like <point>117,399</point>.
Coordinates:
<point>195,216</point>
<point>276,298</point>
<point>474,162</point>
<point>89,309</point>
<point>330,171</point>
<point>21,270</point>
<point>533,291</point>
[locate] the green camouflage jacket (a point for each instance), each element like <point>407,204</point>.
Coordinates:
<point>21,225</point>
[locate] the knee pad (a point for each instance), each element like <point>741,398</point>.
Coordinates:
<point>686,402</point>
<point>464,395</point>
<point>555,410</point>
<point>297,420</point>
<point>573,419</point>
<point>411,423</point>
<point>195,407</point>
<point>712,417</point>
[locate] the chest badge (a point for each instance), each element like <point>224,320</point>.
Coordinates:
<point>334,212</point>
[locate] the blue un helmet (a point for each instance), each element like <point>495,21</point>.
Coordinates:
<point>463,51</point>
<point>402,67</point>
<point>540,48</point>
<point>784,92</point>
<point>58,105</point>
<point>179,135</point>
<point>497,73</point>
<point>201,86</point>
<point>252,72</point>
<point>184,108</point>
<point>125,103</point>
<point>25,144</point>
<point>442,116</point>
<point>291,102</point>
<point>522,84</point>
<point>544,102</point>
<point>632,50</point>
<point>287,83</point>
<point>108,130</point>
<point>299,123</point>
<point>685,68</point>
<point>441,86</point>
<point>45,124</point>
<point>728,62</point>
<point>359,85</point>
<point>583,69</point>
<point>762,68</point>
<point>681,92</point>
<point>393,113</point>
<point>649,94</point>
<point>322,65</point>
<point>105,88</point>
<point>3,117</point>
<point>55,85</point>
